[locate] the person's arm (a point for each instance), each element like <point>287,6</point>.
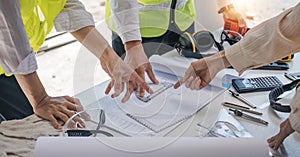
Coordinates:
<point>16,55</point>
<point>126,21</point>
<point>294,117</point>
<point>118,71</point>
<point>263,44</point>
<point>288,126</point>
<point>269,41</point>
<point>75,19</point>
<point>50,108</point>
<point>200,73</point>
<point>17,58</point>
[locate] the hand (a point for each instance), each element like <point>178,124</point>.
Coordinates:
<point>137,59</point>
<point>54,108</point>
<point>232,14</point>
<point>121,73</point>
<point>285,130</point>
<point>50,108</point>
<point>201,72</point>
<point>196,76</point>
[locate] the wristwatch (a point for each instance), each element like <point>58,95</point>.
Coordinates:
<point>225,8</point>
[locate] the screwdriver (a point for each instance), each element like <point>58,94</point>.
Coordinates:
<point>248,117</point>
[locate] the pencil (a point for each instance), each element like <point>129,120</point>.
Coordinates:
<point>242,109</point>
<point>235,105</point>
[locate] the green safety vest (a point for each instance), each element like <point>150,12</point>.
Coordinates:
<point>154,16</point>
<point>38,18</point>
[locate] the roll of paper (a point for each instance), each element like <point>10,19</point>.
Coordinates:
<point>175,65</point>
<point>150,147</point>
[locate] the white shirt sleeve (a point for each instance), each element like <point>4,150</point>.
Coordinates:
<point>73,17</point>
<point>16,55</point>
<point>126,19</point>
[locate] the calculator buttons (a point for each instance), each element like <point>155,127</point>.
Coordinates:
<point>256,84</point>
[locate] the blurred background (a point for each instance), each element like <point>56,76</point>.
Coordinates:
<point>56,66</point>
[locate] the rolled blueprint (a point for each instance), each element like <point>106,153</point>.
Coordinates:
<point>150,147</point>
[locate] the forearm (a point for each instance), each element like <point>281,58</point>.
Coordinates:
<point>268,42</point>
<point>295,112</point>
<point>94,42</point>
<point>218,61</point>
<point>32,88</point>
<point>130,44</point>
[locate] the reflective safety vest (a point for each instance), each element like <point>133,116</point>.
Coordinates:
<point>154,16</point>
<point>38,18</point>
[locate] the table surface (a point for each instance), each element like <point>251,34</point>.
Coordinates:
<point>208,115</point>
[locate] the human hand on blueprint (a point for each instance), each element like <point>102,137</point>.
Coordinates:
<point>122,73</point>
<point>45,106</point>
<point>137,59</point>
<point>201,72</point>
<point>63,107</point>
<point>196,76</point>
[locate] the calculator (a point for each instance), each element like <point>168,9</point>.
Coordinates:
<point>257,84</point>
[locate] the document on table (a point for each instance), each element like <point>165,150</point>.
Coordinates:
<point>164,111</point>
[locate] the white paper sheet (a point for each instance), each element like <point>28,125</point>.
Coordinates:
<point>175,65</point>
<point>166,110</point>
<point>150,147</point>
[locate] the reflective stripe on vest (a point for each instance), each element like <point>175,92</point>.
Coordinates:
<point>38,18</point>
<point>154,16</point>
<point>2,71</point>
